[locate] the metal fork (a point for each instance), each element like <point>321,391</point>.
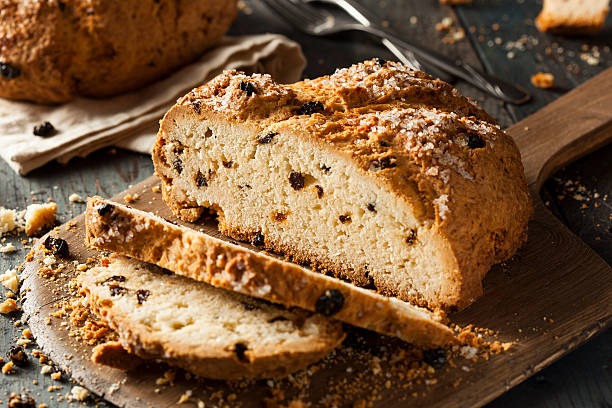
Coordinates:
<point>364,17</point>
<point>321,23</point>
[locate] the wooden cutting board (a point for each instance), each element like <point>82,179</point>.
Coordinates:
<point>552,296</point>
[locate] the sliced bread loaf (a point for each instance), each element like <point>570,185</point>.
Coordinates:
<point>208,331</point>
<point>573,17</point>
<point>377,173</point>
<point>200,256</point>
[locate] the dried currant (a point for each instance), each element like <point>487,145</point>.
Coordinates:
<point>116,290</point>
<point>411,238</point>
<point>240,351</point>
<point>384,163</point>
<point>330,302</point>
<point>105,209</point>
<point>44,130</point>
<point>57,246</point>
<point>17,355</point>
<point>8,71</point>
<point>23,400</point>
<point>280,216</point>
<point>435,357</point>
<point>142,295</point>
<point>383,143</point>
<point>178,165</point>
<point>296,180</point>
<point>61,5</point>
<point>474,141</point>
<point>201,180</point>
<point>227,164</point>
<point>115,278</point>
<point>258,240</point>
<point>310,107</point>
<point>247,87</point>
<point>249,306</point>
<point>325,168</point>
<point>371,207</point>
<point>197,106</point>
<point>380,61</point>
<point>277,319</point>
<point>345,218</point>
<point>319,191</point>
<point>267,138</point>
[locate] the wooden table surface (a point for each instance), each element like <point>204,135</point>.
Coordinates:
<point>501,38</point>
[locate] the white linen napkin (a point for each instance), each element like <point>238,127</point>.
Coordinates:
<point>131,120</point>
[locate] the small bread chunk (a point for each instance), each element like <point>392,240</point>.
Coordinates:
<point>573,17</point>
<point>378,174</point>
<point>39,217</point>
<point>208,331</point>
<point>112,354</point>
<point>543,80</point>
<point>200,256</point>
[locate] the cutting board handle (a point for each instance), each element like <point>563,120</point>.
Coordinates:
<point>570,127</point>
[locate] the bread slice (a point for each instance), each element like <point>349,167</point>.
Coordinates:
<point>200,256</point>
<point>377,173</point>
<point>208,331</point>
<point>573,17</point>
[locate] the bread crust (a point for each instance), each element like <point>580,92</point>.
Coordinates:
<point>218,360</point>
<point>449,162</point>
<point>585,19</point>
<point>230,266</point>
<point>99,48</point>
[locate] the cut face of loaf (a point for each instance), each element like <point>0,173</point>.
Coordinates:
<point>208,331</point>
<point>378,174</point>
<point>188,252</point>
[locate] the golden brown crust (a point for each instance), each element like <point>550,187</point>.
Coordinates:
<point>415,136</point>
<point>99,48</point>
<point>205,258</point>
<point>112,354</point>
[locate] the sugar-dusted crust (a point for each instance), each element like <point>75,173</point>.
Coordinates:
<point>223,264</point>
<point>445,161</point>
<point>99,48</point>
<point>572,17</point>
<point>208,331</point>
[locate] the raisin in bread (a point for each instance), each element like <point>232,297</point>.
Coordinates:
<point>188,252</point>
<point>208,331</point>
<point>573,17</point>
<point>52,51</point>
<point>377,173</point>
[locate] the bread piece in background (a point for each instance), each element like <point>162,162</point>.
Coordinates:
<point>52,51</point>
<point>573,17</point>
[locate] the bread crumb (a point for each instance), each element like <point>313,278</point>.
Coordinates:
<point>155,189</point>
<point>79,393</point>
<point>128,198</point>
<point>543,80</point>
<point>75,198</point>
<point>56,375</point>
<point>455,2</point>
<point>39,216</point>
<point>10,280</point>
<point>8,248</point>
<point>8,306</point>
<point>8,368</point>
<point>185,397</point>
<point>46,369</point>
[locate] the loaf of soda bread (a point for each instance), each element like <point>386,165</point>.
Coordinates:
<point>208,331</point>
<point>378,174</point>
<point>197,255</point>
<point>52,51</point>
